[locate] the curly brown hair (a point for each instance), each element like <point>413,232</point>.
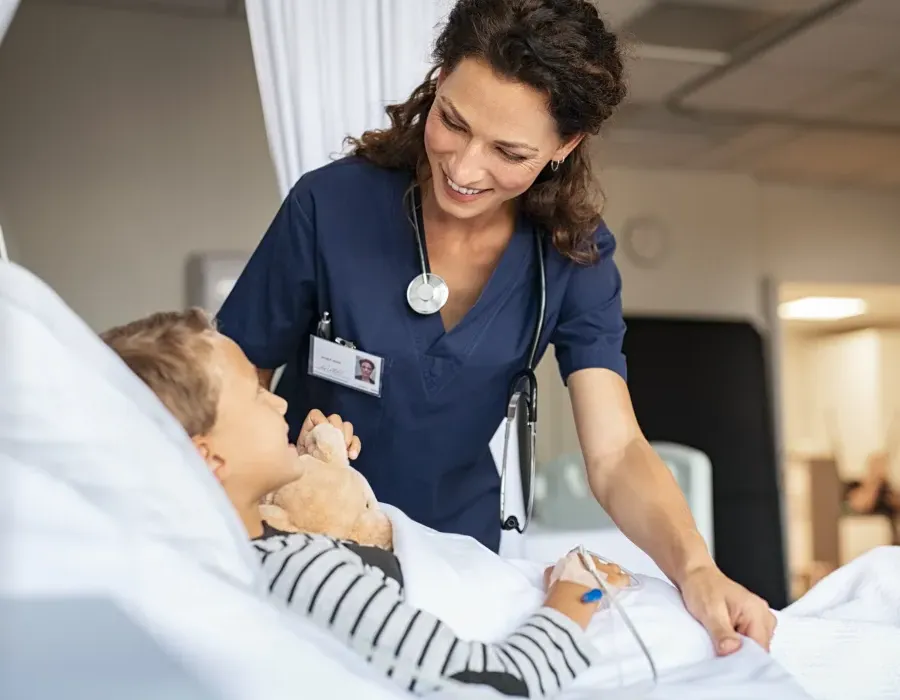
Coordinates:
<point>559,47</point>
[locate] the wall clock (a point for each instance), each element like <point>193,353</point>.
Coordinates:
<point>645,241</point>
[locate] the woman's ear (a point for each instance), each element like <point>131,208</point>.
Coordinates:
<point>566,149</point>
<point>213,460</point>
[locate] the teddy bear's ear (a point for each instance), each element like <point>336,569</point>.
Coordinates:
<point>327,444</point>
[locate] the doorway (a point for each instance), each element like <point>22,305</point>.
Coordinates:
<point>839,350</point>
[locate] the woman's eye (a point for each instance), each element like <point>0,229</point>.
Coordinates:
<point>514,157</point>
<point>449,123</point>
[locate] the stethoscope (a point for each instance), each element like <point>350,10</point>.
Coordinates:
<point>427,294</point>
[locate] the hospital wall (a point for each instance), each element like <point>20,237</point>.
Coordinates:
<point>129,140</point>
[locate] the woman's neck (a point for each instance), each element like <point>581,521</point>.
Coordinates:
<point>496,220</point>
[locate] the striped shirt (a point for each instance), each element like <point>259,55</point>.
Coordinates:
<point>325,581</point>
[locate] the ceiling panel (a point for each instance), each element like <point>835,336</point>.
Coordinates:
<point>656,119</point>
<point>839,45</point>
<point>651,80</point>
<point>709,27</point>
<point>873,11</point>
<point>792,6</point>
<point>845,100</point>
<point>734,153</point>
<point>638,148</point>
<point>758,88</point>
<point>618,12</point>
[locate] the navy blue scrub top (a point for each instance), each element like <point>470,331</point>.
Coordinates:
<point>342,242</point>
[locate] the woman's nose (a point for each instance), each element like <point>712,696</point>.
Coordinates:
<point>467,169</point>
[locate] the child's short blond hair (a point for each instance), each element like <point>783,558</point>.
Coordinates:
<point>172,352</point>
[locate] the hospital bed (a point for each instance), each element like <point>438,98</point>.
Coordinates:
<point>126,573</point>
<point>566,513</point>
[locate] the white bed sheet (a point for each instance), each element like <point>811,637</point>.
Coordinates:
<point>482,596</point>
<point>857,607</point>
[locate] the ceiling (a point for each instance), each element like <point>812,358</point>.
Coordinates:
<point>795,90</point>
<point>788,90</point>
<point>882,306</point>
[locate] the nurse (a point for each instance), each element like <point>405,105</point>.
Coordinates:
<point>486,154</point>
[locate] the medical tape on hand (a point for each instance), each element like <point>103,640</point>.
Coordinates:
<point>610,593</point>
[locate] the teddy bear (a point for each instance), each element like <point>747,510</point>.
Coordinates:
<point>329,497</point>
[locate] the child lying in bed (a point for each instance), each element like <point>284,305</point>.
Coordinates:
<point>239,429</point>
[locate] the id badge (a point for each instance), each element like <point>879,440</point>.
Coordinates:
<point>343,364</point>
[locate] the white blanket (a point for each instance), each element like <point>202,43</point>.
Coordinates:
<point>483,596</point>
<point>842,639</point>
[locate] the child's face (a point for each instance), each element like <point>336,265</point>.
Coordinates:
<point>247,448</point>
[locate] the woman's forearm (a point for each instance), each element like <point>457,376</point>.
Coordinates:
<point>642,497</point>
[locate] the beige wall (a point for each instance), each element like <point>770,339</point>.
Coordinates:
<point>128,140</point>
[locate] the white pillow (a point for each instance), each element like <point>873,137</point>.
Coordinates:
<point>72,410</point>
<point>126,616</point>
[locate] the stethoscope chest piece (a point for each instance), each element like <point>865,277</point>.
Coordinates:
<point>427,293</point>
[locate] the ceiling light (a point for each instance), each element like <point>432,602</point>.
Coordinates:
<point>821,308</point>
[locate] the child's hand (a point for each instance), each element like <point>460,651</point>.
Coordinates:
<point>316,417</point>
<point>614,574</point>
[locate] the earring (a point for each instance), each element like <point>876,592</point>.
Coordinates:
<point>554,165</point>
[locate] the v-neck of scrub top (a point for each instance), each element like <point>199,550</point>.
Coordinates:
<point>442,353</point>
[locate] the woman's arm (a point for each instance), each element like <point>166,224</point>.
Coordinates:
<point>639,492</point>
<point>327,583</point>
<point>629,479</point>
<point>626,476</point>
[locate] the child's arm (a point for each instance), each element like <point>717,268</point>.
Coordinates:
<point>326,582</point>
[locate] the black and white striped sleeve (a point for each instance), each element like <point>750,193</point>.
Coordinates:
<point>328,583</point>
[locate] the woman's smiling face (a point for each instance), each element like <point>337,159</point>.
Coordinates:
<point>487,139</point>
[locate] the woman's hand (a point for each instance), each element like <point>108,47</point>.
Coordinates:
<point>316,417</point>
<point>726,609</point>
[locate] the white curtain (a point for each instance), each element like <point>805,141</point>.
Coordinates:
<point>327,69</point>
<point>7,10</point>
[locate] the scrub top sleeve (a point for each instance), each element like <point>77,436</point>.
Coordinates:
<point>271,306</point>
<point>591,328</point>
